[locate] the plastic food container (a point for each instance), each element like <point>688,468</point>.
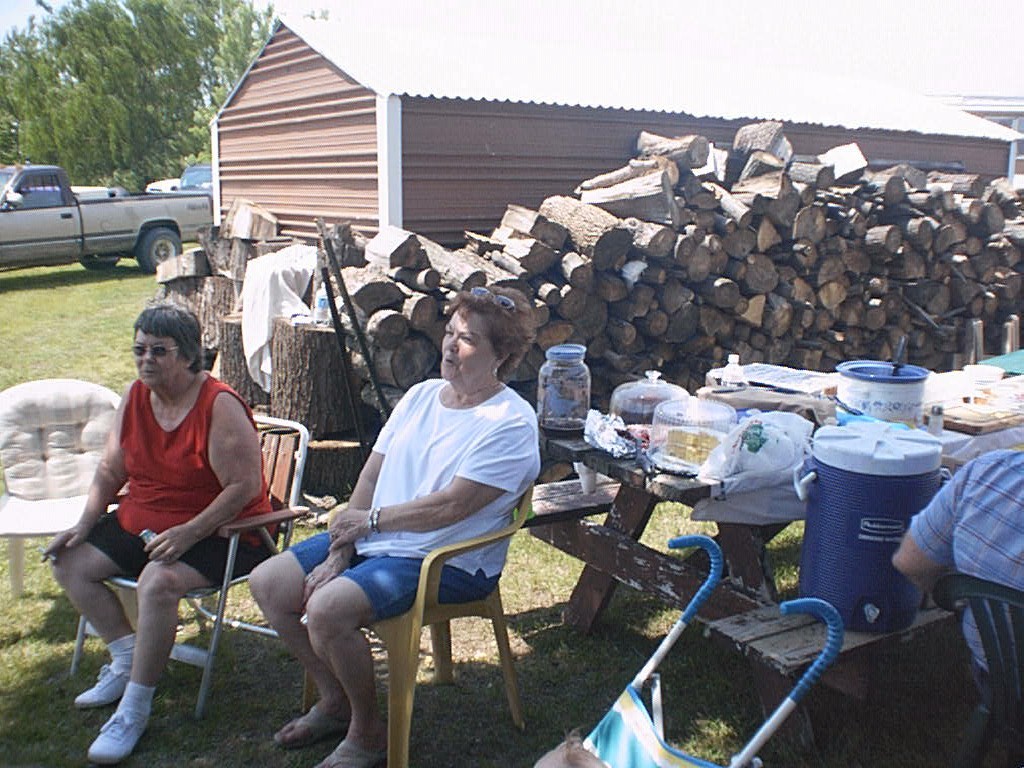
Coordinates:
<point>685,431</point>
<point>871,387</point>
<point>634,402</point>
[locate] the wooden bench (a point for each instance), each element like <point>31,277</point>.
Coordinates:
<point>781,647</point>
<point>563,501</point>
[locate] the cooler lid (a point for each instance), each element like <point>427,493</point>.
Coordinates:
<point>877,448</point>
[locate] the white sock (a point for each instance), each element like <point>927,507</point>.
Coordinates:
<point>137,702</point>
<point>121,652</point>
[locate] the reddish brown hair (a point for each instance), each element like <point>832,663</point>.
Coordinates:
<point>510,331</point>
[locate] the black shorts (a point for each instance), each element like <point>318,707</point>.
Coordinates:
<point>207,556</point>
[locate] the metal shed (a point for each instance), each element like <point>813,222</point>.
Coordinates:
<point>357,126</point>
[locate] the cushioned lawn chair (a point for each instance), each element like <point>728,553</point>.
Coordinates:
<point>284,445</point>
<point>401,637</point>
<point>52,435</point>
<point>999,613</point>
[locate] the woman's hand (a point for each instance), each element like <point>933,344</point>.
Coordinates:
<point>348,525</point>
<point>72,537</point>
<point>336,562</point>
<point>168,546</point>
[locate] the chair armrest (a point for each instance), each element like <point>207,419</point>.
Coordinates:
<point>430,570</point>
<point>261,521</point>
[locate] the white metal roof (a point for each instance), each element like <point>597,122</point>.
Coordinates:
<point>449,61</point>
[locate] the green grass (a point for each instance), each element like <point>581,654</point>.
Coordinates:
<point>68,322</point>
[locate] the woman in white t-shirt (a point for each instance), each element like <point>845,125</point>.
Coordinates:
<point>450,464</point>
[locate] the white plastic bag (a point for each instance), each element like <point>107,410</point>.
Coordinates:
<point>759,452</point>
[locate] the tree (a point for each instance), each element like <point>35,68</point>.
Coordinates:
<point>121,91</point>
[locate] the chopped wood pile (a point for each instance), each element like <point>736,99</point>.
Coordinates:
<point>688,253</point>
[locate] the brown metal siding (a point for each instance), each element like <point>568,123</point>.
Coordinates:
<point>299,138</point>
<point>464,161</point>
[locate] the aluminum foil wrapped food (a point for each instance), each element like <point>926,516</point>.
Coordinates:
<point>608,433</point>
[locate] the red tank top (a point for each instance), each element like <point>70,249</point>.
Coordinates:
<point>170,480</point>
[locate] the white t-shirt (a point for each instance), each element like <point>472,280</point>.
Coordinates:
<point>426,445</point>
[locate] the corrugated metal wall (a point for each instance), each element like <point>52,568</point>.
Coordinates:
<point>464,161</point>
<point>299,138</point>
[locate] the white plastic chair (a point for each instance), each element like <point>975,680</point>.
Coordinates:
<point>52,435</point>
<point>284,445</point>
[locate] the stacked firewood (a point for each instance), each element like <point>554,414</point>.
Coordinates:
<point>690,252</point>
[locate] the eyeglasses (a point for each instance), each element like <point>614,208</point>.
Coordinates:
<point>157,350</point>
<point>502,301</point>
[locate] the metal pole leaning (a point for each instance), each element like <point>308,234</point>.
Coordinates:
<point>350,310</point>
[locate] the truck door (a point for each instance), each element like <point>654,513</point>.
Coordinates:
<point>44,229</point>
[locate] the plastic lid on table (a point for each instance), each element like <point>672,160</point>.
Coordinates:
<point>877,448</point>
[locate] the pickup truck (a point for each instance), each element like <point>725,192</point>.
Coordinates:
<point>43,222</point>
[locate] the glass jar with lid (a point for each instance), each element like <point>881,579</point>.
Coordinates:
<point>563,390</point>
<point>634,402</point>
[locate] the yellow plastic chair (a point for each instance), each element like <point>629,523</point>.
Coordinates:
<point>401,638</point>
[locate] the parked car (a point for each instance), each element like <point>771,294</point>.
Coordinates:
<point>43,222</point>
<point>163,185</point>
<point>199,176</point>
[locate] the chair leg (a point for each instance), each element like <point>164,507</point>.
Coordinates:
<point>218,627</point>
<point>977,737</point>
<point>441,641</point>
<point>508,669</point>
<point>76,656</point>
<point>16,556</point>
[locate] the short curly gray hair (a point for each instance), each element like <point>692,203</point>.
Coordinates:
<point>165,318</point>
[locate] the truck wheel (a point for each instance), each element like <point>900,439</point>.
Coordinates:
<point>99,262</point>
<point>155,246</point>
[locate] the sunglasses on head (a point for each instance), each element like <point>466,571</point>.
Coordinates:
<point>502,301</point>
<point>157,350</point>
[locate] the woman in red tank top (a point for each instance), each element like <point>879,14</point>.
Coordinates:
<point>187,449</point>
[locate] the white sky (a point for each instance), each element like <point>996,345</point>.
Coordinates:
<point>930,46</point>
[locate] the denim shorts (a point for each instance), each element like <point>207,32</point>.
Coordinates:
<point>390,583</point>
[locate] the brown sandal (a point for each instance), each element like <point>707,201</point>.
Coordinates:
<point>312,727</point>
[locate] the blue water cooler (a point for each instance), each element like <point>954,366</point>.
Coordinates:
<point>864,482</point>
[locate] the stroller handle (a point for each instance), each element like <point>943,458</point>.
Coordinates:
<point>714,552</point>
<point>824,612</point>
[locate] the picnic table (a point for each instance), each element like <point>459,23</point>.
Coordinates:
<point>742,612</point>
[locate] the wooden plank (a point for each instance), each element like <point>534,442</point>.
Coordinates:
<point>628,562</point>
<point>788,644</point>
<point>564,501</point>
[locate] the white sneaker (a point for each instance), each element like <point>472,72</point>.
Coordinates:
<point>109,688</point>
<point>117,739</point>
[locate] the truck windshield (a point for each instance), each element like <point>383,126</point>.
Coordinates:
<point>196,177</point>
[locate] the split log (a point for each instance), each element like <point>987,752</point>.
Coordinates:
<point>417,279</point>
<point>535,225</point>
<point>394,247</point>
<point>817,174</point>
<point>719,291</point>
<point>595,232</point>
<point>760,163</point>
<point>530,254</point>
<point>208,298</point>
<point>847,161</point>
<point>634,168</point>
<point>371,289</point>
<point>687,151</point>
<point>809,224</point>
<point>652,239</point>
<point>455,271</point>
<point>410,362</point>
<point>387,328</point>
<point>648,197</point>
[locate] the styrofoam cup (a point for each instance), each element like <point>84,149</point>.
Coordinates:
<point>588,476</point>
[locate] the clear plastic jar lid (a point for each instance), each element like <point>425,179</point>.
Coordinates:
<point>566,353</point>
<point>693,412</point>
<point>635,401</point>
